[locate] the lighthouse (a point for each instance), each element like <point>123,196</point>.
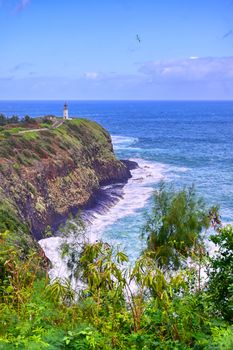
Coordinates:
<point>65,112</point>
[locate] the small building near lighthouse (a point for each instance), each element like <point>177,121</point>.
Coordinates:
<point>65,112</point>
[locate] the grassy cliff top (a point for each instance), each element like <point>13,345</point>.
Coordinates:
<point>49,169</point>
<point>25,144</point>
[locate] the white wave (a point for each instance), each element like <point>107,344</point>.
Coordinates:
<point>178,169</point>
<point>51,246</point>
<point>228,222</point>
<point>123,142</point>
<point>53,250</point>
<point>135,195</point>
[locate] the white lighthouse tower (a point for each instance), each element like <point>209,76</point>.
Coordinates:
<point>65,112</point>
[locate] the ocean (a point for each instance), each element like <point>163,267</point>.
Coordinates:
<point>182,143</point>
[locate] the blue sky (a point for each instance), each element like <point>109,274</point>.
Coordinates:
<point>90,50</point>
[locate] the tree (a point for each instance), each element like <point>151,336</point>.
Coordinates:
<point>2,119</point>
<point>220,284</point>
<point>175,225</point>
<point>27,119</point>
<point>13,119</point>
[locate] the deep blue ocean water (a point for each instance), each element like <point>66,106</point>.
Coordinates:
<point>182,142</point>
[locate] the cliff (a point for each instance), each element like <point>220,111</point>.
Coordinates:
<point>45,175</point>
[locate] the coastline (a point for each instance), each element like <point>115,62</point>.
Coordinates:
<point>113,202</point>
<point>98,196</point>
<point>46,176</point>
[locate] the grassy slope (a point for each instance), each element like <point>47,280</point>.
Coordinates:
<point>29,147</point>
<point>50,170</point>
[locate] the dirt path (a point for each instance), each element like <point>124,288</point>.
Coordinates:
<point>55,125</point>
<point>30,130</point>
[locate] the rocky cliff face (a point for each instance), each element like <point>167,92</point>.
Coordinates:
<point>45,175</point>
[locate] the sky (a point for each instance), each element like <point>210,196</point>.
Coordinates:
<point>116,49</point>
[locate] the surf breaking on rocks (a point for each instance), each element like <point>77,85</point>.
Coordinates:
<point>115,201</point>
<point>121,201</point>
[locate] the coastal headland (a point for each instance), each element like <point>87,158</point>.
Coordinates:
<point>48,172</point>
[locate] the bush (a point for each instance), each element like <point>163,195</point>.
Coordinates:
<point>28,120</point>
<point>175,224</point>
<point>220,272</point>
<point>9,220</point>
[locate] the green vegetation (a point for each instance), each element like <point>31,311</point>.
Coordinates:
<point>14,125</point>
<point>70,135</point>
<point>31,135</point>
<point>64,162</point>
<point>16,120</point>
<point>175,226</point>
<point>221,274</point>
<point>152,305</point>
<point>12,120</point>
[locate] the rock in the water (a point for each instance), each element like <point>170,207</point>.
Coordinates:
<point>130,164</point>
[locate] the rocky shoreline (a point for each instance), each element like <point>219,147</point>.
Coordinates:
<point>46,176</point>
<point>100,197</point>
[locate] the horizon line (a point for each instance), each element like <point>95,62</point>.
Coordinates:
<point>116,100</point>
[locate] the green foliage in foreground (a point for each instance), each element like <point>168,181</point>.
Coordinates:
<point>143,307</point>
<point>221,273</point>
<point>120,308</point>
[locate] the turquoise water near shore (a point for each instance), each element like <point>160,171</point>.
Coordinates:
<point>181,142</point>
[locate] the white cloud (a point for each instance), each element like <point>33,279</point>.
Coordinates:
<point>190,79</point>
<point>190,69</point>
<point>92,75</point>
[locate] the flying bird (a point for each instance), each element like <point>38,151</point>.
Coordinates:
<point>230,32</point>
<point>138,38</point>
<point>135,47</point>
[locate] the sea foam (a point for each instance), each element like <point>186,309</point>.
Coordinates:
<point>117,202</point>
<point>131,197</point>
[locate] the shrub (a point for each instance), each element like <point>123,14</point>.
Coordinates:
<point>175,224</point>
<point>220,272</point>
